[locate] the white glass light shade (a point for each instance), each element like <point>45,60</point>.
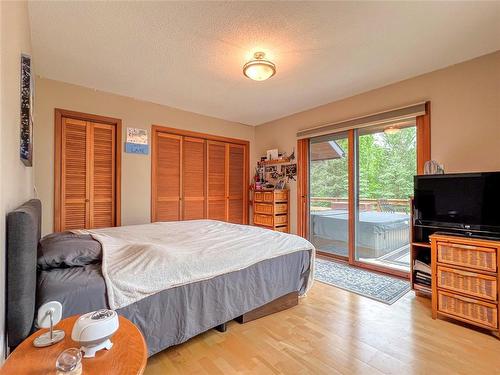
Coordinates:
<point>259,69</point>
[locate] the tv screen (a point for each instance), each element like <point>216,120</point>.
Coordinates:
<point>469,201</point>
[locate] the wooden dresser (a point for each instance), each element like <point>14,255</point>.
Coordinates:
<point>271,210</point>
<point>465,280</point>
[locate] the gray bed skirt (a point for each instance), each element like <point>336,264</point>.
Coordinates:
<point>175,315</point>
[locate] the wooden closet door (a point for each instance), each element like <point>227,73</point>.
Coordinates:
<point>168,177</point>
<point>193,178</point>
<point>102,175</point>
<point>236,185</point>
<point>75,155</point>
<point>216,181</point>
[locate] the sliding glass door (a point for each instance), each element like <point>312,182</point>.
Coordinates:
<point>329,192</point>
<point>385,163</point>
<point>360,185</point>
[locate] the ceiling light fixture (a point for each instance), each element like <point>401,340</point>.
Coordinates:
<point>259,69</point>
<point>391,130</point>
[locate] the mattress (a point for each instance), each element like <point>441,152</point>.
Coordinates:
<point>175,315</point>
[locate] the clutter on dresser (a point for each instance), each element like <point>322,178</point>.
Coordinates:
<point>274,170</point>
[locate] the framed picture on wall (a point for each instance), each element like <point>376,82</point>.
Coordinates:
<point>26,114</point>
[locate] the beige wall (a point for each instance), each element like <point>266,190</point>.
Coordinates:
<point>17,180</point>
<point>465,116</point>
<point>465,126</point>
<point>136,169</point>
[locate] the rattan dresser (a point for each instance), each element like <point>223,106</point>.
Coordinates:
<point>271,210</point>
<point>465,280</point>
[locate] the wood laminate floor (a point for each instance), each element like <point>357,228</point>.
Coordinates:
<point>336,332</point>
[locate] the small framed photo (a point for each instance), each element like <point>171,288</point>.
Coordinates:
<point>290,171</point>
<point>272,154</point>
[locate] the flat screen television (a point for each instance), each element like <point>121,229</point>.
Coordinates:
<point>467,201</point>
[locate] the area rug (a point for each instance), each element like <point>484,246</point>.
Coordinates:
<point>373,285</point>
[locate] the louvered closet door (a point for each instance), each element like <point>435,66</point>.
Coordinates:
<point>102,172</point>
<point>193,178</point>
<point>74,170</point>
<point>236,183</point>
<point>168,177</point>
<point>216,180</point>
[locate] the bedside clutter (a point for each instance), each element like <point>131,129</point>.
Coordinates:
<point>128,355</point>
<point>465,279</point>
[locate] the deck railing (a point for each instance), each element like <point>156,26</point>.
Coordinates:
<point>365,204</point>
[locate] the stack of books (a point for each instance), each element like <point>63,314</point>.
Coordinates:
<point>422,273</point>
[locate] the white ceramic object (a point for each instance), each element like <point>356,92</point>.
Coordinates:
<point>93,331</point>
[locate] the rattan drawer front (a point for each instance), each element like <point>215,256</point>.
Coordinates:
<point>280,196</point>
<point>263,208</point>
<point>470,309</point>
<point>263,220</point>
<point>480,258</point>
<point>281,219</point>
<point>281,208</point>
<point>259,196</point>
<point>268,196</point>
<point>281,229</point>
<point>470,283</point>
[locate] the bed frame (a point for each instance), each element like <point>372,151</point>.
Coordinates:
<point>23,235</point>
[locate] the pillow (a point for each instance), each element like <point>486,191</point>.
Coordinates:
<point>67,249</point>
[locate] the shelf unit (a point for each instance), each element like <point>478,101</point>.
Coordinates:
<point>275,162</point>
<point>420,248</point>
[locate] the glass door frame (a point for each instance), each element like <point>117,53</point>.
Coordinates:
<point>423,155</point>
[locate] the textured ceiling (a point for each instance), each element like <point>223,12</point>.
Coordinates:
<point>190,55</point>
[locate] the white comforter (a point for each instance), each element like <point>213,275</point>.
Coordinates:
<point>142,260</point>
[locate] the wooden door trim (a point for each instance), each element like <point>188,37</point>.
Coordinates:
<point>189,133</point>
<point>423,138</point>
<point>58,118</point>
<point>351,225</point>
<point>155,129</point>
<point>303,188</point>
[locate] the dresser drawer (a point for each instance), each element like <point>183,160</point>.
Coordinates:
<point>280,219</point>
<point>264,220</point>
<point>264,196</point>
<point>480,258</point>
<point>470,283</point>
<point>281,229</point>
<point>281,208</point>
<point>483,313</point>
<point>280,195</point>
<point>264,208</point>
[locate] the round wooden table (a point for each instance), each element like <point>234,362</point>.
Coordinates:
<point>127,356</point>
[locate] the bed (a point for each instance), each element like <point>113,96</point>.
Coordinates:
<point>165,317</point>
<point>378,232</point>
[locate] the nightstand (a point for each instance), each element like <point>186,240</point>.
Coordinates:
<point>127,356</point>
